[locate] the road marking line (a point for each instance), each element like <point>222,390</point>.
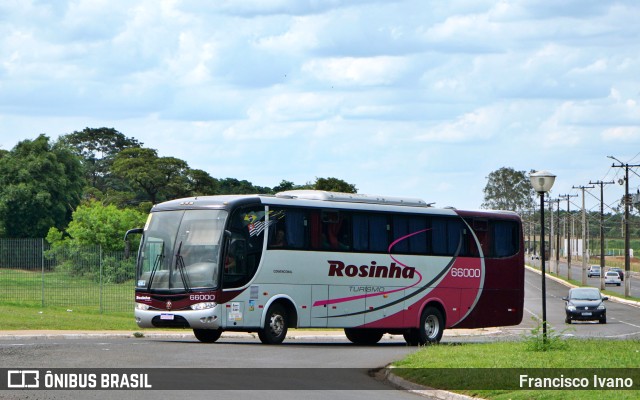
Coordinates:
<point>531,312</point>
<point>628,323</point>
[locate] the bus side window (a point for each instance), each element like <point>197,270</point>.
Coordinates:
<point>418,242</point>
<point>480,227</point>
<point>287,229</point>
<point>411,231</point>
<point>315,230</point>
<point>400,233</point>
<point>506,238</point>
<point>457,236</point>
<point>370,232</point>
<point>335,231</point>
<point>449,237</point>
<point>439,236</point>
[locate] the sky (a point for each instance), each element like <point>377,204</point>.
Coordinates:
<point>413,98</point>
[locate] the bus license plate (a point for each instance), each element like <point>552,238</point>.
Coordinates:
<point>170,316</point>
<point>586,314</point>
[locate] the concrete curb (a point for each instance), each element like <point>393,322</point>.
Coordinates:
<point>400,383</point>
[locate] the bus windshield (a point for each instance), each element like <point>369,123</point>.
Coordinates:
<point>180,250</point>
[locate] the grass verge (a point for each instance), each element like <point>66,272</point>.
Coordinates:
<point>498,361</point>
<point>22,317</point>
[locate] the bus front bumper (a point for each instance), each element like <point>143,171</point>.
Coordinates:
<point>208,318</point>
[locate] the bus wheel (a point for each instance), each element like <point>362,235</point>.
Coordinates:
<point>363,336</point>
<point>431,326</point>
<point>275,325</point>
<point>207,335</point>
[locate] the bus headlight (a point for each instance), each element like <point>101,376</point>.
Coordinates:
<point>142,306</point>
<point>203,306</point>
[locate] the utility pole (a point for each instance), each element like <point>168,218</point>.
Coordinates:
<point>568,197</point>
<point>558,241</point>
<point>601,228</point>
<point>535,242</point>
<point>627,257</point>
<point>550,232</point>
<point>554,247</point>
<point>584,236</point>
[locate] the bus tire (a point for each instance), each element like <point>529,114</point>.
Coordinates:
<point>365,337</point>
<point>275,325</point>
<point>431,326</point>
<point>207,335</point>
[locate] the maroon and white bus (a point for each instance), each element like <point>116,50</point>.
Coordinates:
<point>313,259</point>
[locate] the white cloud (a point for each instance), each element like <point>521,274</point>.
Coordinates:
<point>300,106</point>
<point>480,124</point>
<point>302,36</point>
<point>626,134</point>
<point>366,71</point>
<point>390,95</point>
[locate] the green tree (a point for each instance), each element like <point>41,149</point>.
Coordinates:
<point>40,185</point>
<point>158,178</point>
<point>234,186</point>
<point>284,186</point>
<point>508,189</point>
<point>201,183</point>
<point>96,224</point>
<point>334,185</point>
<point>98,148</point>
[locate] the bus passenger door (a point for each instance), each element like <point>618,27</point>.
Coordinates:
<point>319,307</point>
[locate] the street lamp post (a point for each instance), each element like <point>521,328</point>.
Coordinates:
<point>542,181</point>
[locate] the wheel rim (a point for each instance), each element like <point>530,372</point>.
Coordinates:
<point>431,326</point>
<point>276,325</point>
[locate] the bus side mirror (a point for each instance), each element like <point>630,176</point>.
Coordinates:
<point>127,245</point>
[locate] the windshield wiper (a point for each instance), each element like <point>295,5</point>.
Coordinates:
<point>156,264</point>
<point>182,269</point>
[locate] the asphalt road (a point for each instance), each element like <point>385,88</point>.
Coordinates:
<point>576,274</point>
<point>306,360</point>
<point>623,320</point>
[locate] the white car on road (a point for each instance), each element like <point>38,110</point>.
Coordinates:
<point>612,278</point>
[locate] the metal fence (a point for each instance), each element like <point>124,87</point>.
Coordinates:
<point>33,273</point>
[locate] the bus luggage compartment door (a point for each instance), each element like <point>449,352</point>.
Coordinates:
<point>319,307</point>
<point>344,309</point>
<point>384,306</point>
